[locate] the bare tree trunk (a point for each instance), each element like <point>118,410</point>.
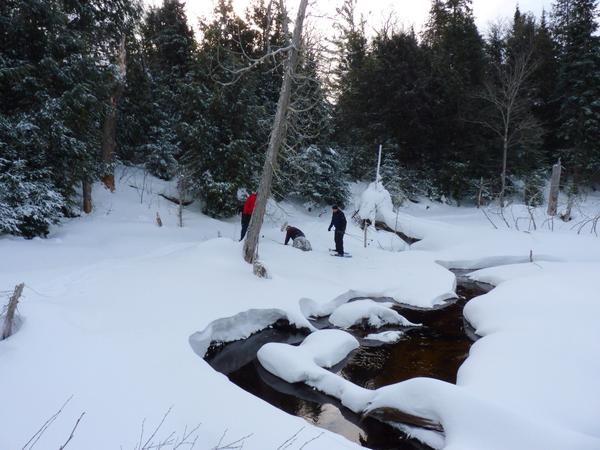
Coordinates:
<point>278,133</point>
<point>377,176</point>
<point>109,129</point>
<point>566,216</point>
<point>554,189</point>
<point>87,196</point>
<point>10,312</point>
<point>503,174</point>
<point>180,193</point>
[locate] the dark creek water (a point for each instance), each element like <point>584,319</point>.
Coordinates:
<point>435,350</point>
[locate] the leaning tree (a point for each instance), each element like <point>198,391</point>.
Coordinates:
<point>276,140</point>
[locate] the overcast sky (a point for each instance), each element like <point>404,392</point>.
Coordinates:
<point>409,12</point>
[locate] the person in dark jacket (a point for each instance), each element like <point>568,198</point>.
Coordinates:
<point>298,238</point>
<point>247,213</point>
<point>338,220</point>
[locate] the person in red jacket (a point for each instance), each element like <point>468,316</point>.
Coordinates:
<point>247,213</point>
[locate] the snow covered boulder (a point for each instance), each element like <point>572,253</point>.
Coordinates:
<point>373,313</point>
<point>307,362</point>
<point>323,348</point>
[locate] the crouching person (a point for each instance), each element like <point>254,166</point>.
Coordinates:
<point>298,238</point>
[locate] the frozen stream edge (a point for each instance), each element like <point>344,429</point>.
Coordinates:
<point>454,407</point>
<point>246,323</point>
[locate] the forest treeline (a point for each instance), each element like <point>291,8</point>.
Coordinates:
<point>461,113</point>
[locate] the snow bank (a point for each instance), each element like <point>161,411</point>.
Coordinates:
<point>241,326</point>
<point>112,299</point>
<point>523,375</point>
<point>473,423</point>
<point>540,348</point>
<point>471,245</point>
<point>413,278</point>
<point>376,314</point>
<point>307,362</point>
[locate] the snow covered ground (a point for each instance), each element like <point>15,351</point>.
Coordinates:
<point>112,303</point>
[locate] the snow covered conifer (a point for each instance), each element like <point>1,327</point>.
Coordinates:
<point>317,175</point>
<point>392,180</point>
<point>578,90</point>
<point>29,203</point>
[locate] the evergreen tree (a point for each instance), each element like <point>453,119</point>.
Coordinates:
<point>578,88</point>
<point>54,82</point>
<point>400,106</point>
<point>457,67</point>
<point>239,109</point>
<point>544,83</point>
<point>351,88</point>
<point>391,177</point>
<point>317,175</point>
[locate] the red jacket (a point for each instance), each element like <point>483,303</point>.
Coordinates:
<point>249,205</point>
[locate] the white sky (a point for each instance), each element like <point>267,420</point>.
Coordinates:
<point>409,12</point>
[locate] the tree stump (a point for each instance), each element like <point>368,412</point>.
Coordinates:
<point>259,269</point>
<point>11,309</point>
<point>554,189</point>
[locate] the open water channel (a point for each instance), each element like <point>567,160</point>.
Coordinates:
<point>435,350</point>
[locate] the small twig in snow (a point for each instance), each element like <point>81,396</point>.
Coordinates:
<point>38,434</point>
<point>311,440</point>
<point>289,441</point>
<point>72,432</point>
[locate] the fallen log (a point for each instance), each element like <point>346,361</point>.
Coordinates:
<point>395,415</point>
<point>385,227</point>
<point>176,200</point>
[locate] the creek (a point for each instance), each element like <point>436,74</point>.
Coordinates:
<point>436,350</point>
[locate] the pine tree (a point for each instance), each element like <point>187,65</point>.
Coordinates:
<point>54,83</point>
<point>391,177</point>
<point>317,175</point>
<point>544,83</point>
<point>350,88</point>
<point>578,89</point>
<point>457,66</point>
<point>399,106</point>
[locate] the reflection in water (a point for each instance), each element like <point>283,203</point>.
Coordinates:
<point>436,350</point>
<point>331,419</point>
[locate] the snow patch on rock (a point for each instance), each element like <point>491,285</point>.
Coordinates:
<point>307,363</point>
<point>387,337</point>
<point>376,314</point>
<point>241,326</point>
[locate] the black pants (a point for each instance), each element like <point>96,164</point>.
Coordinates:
<point>245,223</point>
<point>339,241</point>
